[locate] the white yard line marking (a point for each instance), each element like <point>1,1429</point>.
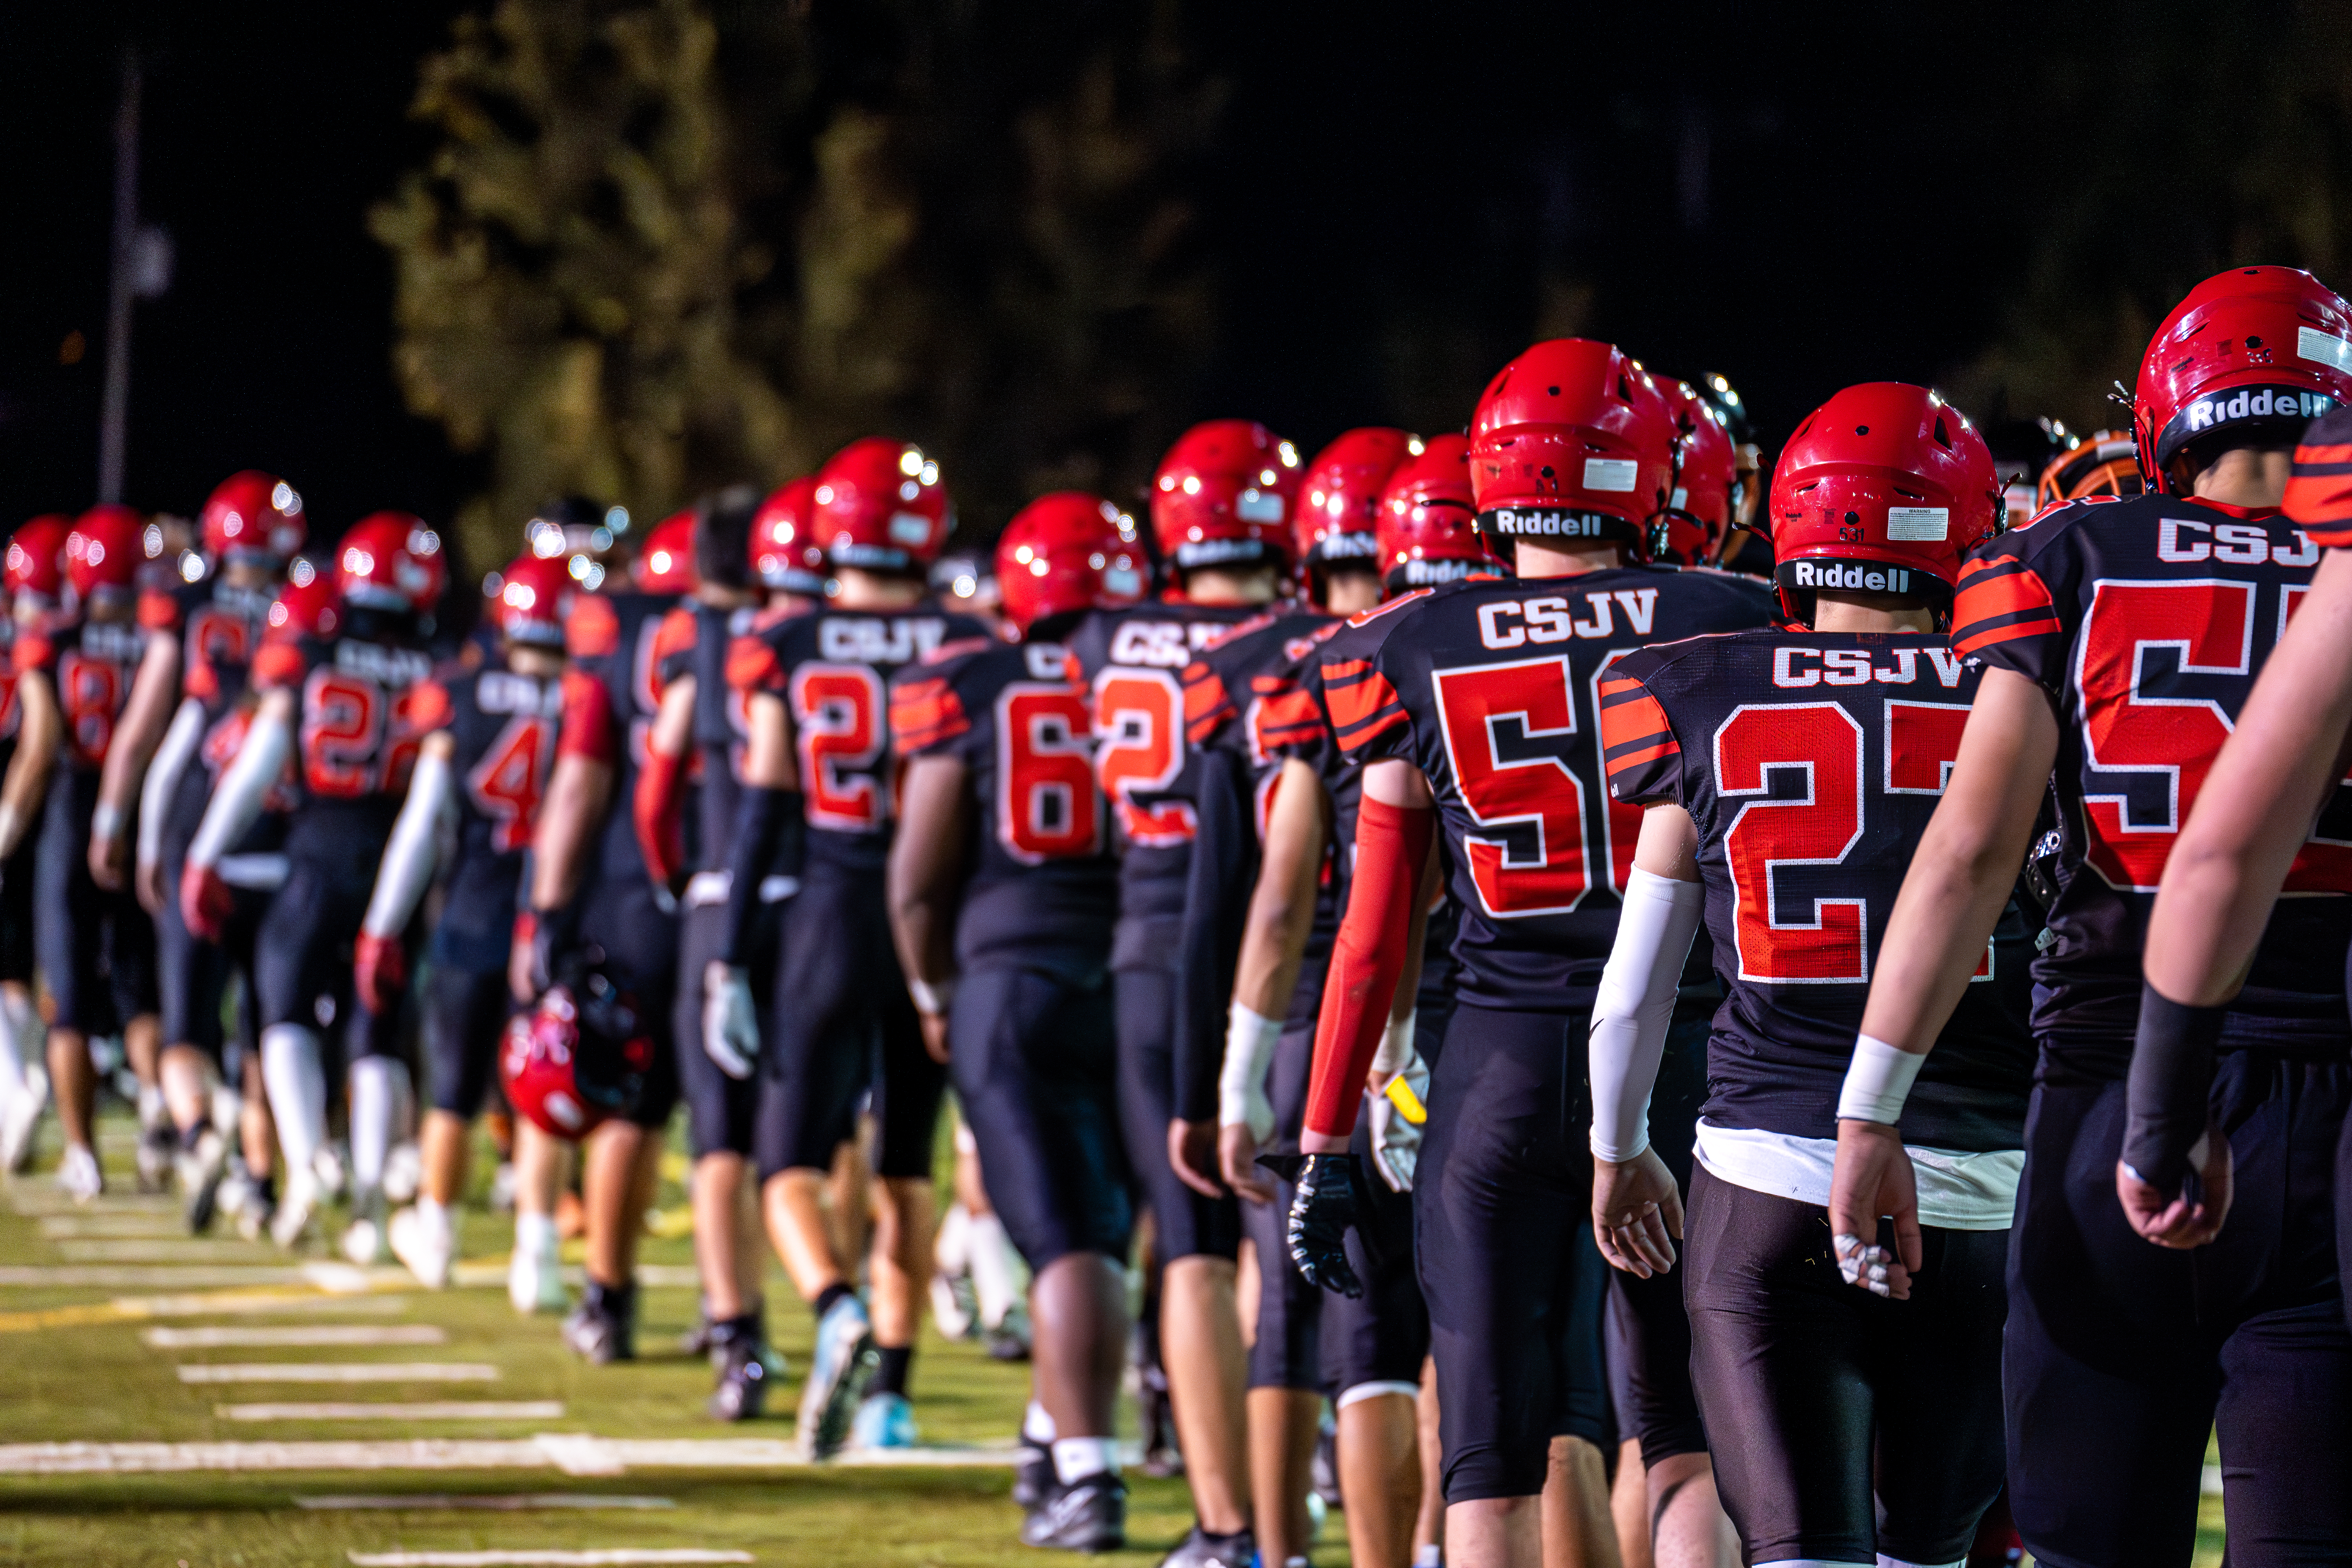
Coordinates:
<point>37,1196</point>
<point>340,1372</point>
<point>619,1554</point>
<point>75,1227</point>
<point>186,1249</point>
<point>295,1334</point>
<point>478,1502</point>
<point>481,1273</point>
<point>422,1410</point>
<point>124,1276</point>
<point>256,1303</point>
<point>595,1456</point>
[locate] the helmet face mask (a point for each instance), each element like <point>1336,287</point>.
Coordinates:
<point>2248,358</point>
<point>578,1057</point>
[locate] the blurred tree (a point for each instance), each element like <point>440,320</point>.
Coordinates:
<point>657,247</point>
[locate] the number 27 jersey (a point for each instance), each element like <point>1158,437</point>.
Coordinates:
<point>1491,689</point>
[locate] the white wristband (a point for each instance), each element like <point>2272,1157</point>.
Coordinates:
<point>1395,1054</point>
<point>9,819</point>
<point>106,820</point>
<point>1250,1038</point>
<point>932,998</point>
<point>1877,1082</point>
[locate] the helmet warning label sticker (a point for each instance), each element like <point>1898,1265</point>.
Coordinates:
<point>2323,348</point>
<point>1918,523</point>
<point>1611,473</point>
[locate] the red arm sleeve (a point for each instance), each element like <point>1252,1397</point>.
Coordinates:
<point>589,729</point>
<point>1392,845</point>
<point>660,816</point>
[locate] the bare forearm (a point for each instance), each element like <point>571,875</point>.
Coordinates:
<point>926,869</point>
<point>38,740</point>
<point>576,800</point>
<point>154,696</point>
<point>1282,905</point>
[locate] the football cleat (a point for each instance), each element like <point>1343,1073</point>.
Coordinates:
<point>953,1309</point>
<point>1088,1515</point>
<point>403,1174</point>
<point>742,1392</point>
<point>296,1210</point>
<point>250,1204</point>
<point>363,1240</point>
<point>1033,1479</point>
<point>425,1243</point>
<point>1199,1549</point>
<point>1156,1413</point>
<point>883,1421</point>
<point>1010,1338</point>
<point>78,1174</point>
<point>602,1330</point>
<point>200,1170</point>
<point>158,1148</point>
<point>535,1280</point>
<point>840,1365</point>
<point>503,1187</point>
<point>20,1117</point>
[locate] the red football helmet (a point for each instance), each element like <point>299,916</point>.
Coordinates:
<point>307,606</point>
<point>1222,496</point>
<point>1572,440</point>
<point>390,560</point>
<point>1697,518</point>
<point>2105,463</point>
<point>665,563</point>
<point>105,550</point>
<point>254,515</point>
<point>2252,344</point>
<point>785,554</point>
<point>880,505</point>
<point>1068,551</point>
<point>36,556</point>
<point>1883,489</point>
<point>577,1058</point>
<point>535,597</point>
<point>1428,530</point>
<point>1338,495</point>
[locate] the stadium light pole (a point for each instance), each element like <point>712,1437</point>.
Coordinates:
<point>141,269</point>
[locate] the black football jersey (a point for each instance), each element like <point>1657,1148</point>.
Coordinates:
<point>1491,689</point>
<point>832,669</point>
<point>364,705</point>
<point>1043,886</point>
<point>92,665</point>
<point>2147,620</point>
<point>1809,763</point>
<point>721,727</point>
<point>619,640</point>
<point>1130,663</point>
<point>503,726</point>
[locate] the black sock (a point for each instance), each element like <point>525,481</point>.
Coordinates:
<point>193,1134</point>
<point>828,1296</point>
<point>890,1369</point>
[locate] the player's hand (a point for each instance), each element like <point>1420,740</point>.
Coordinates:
<point>1192,1151</point>
<point>1396,1137</point>
<point>1237,1147</point>
<point>107,856</point>
<point>730,1024</point>
<point>379,972</point>
<point>206,902</point>
<point>149,881</point>
<point>2194,1216</point>
<point>935,1035</point>
<point>518,984</point>
<point>1874,1179</point>
<point>1637,1214</point>
<point>1322,1207</point>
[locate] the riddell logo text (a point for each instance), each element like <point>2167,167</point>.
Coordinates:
<point>1854,576</point>
<point>2257,403</point>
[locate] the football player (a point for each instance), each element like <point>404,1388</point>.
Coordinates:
<point>1786,773</point>
<point>1476,702</point>
<point>1220,514</point>
<point>818,788</point>
<point>1003,892</point>
<point>186,705</point>
<point>34,577</point>
<point>96,946</point>
<point>343,700</point>
<point>1698,524</point>
<point>591,898</point>
<point>2105,463</point>
<point>1242,706</point>
<point>744,546</point>
<point>478,780</point>
<point>2121,637</point>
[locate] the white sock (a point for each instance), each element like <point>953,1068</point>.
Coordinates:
<point>12,1061</point>
<point>296,1083</point>
<point>1036,1425</point>
<point>1076,1458</point>
<point>996,1269</point>
<point>376,1085</point>
<point>1430,1556</point>
<point>951,1249</point>
<point>152,1108</point>
<point>27,1038</point>
<point>534,1234</point>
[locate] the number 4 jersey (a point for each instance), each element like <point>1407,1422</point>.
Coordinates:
<point>1491,690</point>
<point>2146,621</point>
<point>502,726</point>
<point>1809,763</point>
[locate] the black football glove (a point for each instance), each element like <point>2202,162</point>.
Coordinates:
<point>1322,1210</point>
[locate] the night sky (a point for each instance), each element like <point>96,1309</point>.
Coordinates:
<point>1796,197</point>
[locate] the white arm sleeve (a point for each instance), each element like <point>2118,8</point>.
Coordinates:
<point>244,785</point>
<point>406,869</point>
<point>171,759</point>
<point>1634,1003</point>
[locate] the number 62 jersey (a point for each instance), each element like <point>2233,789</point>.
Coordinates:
<point>1491,690</point>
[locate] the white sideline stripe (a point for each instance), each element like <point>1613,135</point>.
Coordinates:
<point>73,1227</point>
<point>295,1334</point>
<point>257,1303</point>
<point>340,1372</point>
<point>477,1503</point>
<point>563,1452</point>
<point>484,1272</point>
<point>106,1276</point>
<point>422,1410</point>
<point>32,1195</point>
<point>553,1558</point>
<point>186,1249</point>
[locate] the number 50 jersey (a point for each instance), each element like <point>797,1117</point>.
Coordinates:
<point>2147,621</point>
<point>1809,763</point>
<point>1491,690</point>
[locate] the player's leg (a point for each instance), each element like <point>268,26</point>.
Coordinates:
<point>290,973</point>
<point>127,942</point>
<point>1374,1347</point>
<point>23,1054</point>
<point>534,1274</point>
<point>379,1086</point>
<point>66,945</point>
<point>465,1014</point>
<point>1285,1401</point>
<point>1936,1374</point>
<point>907,1089</point>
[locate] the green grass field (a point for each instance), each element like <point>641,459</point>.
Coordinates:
<point>64,1378</point>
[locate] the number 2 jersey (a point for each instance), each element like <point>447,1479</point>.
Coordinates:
<point>364,707</point>
<point>1809,763</point>
<point>1043,887</point>
<point>502,726</point>
<point>2146,621</point>
<point>1491,690</point>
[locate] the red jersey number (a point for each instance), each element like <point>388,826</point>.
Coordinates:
<point>355,740</point>
<point>89,691</point>
<point>1823,945</point>
<point>1508,728</point>
<point>837,725</point>
<point>1139,724</point>
<point>505,785</point>
<point>1046,804</point>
